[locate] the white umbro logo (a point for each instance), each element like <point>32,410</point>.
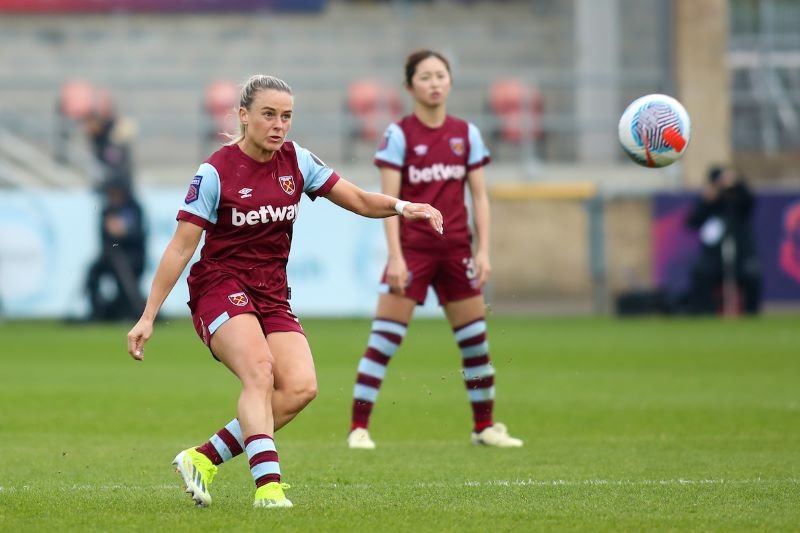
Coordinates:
<point>421,149</point>
<point>245,192</point>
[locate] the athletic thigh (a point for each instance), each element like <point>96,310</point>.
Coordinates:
<point>395,307</point>
<point>462,312</point>
<point>294,364</point>
<point>240,344</point>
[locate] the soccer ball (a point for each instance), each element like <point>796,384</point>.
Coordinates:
<point>654,130</point>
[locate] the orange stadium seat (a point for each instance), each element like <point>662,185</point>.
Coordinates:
<point>517,108</point>
<point>77,100</point>
<point>221,101</point>
<point>372,106</point>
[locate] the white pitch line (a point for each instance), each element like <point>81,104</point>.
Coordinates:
<point>626,482</point>
<point>424,484</point>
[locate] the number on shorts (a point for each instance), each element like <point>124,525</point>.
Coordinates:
<point>469,267</point>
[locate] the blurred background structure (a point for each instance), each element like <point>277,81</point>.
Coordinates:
<point>575,224</point>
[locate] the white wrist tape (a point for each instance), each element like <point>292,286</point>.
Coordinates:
<point>400,205</point>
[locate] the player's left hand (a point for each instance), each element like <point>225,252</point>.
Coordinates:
<point>425,212</point>
<point>483,267</point>
<point>137,336</point>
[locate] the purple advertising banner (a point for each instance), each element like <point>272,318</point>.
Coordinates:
<point>139,6</point>
<point>777,227</point>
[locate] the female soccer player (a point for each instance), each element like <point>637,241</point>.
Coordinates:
<point>429,156</point>
<point>246,197</point>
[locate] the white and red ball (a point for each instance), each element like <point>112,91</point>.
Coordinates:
<point>655,130</point>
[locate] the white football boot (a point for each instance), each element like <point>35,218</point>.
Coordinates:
<point>358,439</point>
<point>497,436</point>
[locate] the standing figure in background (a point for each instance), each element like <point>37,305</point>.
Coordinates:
<point>246,197</point>
<point>430,156</point>
<point>122,256</point>
<point>727,270</point>
<point>110,138</point>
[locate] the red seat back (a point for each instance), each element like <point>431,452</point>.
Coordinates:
<point>374,106</point>
<point>78,99</point>
<point>518,109</point>
<point>221,105</point>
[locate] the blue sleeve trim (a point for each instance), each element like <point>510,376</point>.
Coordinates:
<point>315,171</point>
<point>478,152</point>
<point>202,199</point>
<point>393,147</point>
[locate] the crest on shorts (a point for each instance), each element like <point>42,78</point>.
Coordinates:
<point>457,145</point>
<point>194,190</point>
<point>287,184</point>
<point>238,298</point>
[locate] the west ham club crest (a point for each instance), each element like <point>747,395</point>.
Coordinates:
<point>457,145</point>
<point>287,184</point>
<point>238,298</point>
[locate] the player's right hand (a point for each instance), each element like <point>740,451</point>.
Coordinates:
<point>137,336</point>
<point>397,275</point>
<point>425,212</point>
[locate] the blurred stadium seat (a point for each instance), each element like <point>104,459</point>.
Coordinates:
<point>76,101</point>
<point>370,107</point>
<point>516,108</point>
<point>220,107</point>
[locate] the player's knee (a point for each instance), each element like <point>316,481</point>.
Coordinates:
<point>306,394</point>
<point>302,393</point>
<point>258,375</point>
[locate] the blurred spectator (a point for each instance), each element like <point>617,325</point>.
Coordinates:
<point>84,106</point>
<point>728,266</point>
<point>110,138</point>
<point>122,256</point>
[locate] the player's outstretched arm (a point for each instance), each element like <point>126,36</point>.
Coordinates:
<point>377,205</point>
<point>175,258</point>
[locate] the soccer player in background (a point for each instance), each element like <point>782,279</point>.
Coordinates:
<point>245,197</point>
<point>429,156</point>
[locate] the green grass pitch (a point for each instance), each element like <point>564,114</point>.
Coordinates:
<point>653,424</point>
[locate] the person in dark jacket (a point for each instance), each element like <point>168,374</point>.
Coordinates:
<point>121,258</point>
<point>727,273</point>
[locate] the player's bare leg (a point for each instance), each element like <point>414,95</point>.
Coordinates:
<point>295,376</point>
<point>295,385</point>
<point>469,327</point>
<point>240,344</point>
<point>388,329</point>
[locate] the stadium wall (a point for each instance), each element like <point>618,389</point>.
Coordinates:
<point>542,252</point>
<point>50,238</point>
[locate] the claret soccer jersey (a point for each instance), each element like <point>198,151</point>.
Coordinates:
<point>248,210</point>
<point>434,163</point>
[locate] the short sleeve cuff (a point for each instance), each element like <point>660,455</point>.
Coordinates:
<point>381,163</point>
<point>482,163</point>
<point>194,219</point>
<point>326,187</point>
